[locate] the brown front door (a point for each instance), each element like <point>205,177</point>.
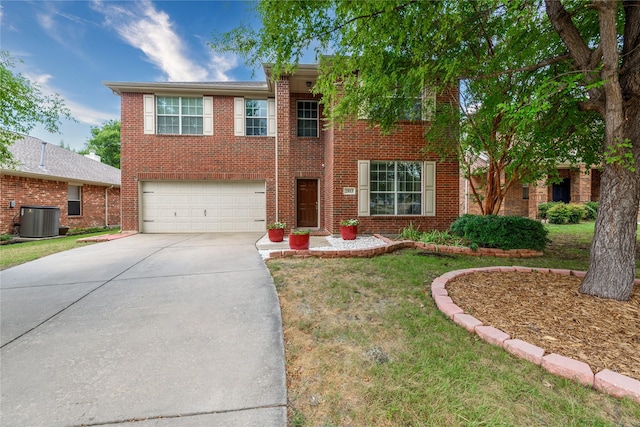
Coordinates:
<point>307,196</point>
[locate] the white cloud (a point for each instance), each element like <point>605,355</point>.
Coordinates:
<point>151,30</point>
<point>81,113</point>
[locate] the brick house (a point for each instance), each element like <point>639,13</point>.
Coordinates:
<point>235,156</point>
<point>577,186</point>
<point>86,190</point>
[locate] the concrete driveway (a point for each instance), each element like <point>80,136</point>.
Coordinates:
<point>151,330</point>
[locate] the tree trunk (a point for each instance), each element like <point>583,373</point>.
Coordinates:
<point>612,264</point>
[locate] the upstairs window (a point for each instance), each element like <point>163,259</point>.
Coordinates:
<point>178,115</point>
<point>256,117</point>
<point>74,200</point>
<point>308,119</point>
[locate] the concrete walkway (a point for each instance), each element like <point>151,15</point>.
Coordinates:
<point>149,330</point>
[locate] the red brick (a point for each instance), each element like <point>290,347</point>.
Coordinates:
<point>467,321</point>
<point>568,368</point>
<point>492,335</point>
<point>330,158</point>
<point>524,350</point>
<point>617,385</point>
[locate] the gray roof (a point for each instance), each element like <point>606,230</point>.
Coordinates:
<point>59,164</point>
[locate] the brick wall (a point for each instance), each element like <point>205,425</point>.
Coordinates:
<point>331,158</point>
<point>357,141</point>
<point>39,192</point>
<point>222,156</point>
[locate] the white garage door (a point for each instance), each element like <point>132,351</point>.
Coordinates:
<point>218,206</point>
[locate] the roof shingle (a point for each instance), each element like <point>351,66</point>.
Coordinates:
<point>59,163</point>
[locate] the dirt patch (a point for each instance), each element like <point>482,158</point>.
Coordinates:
<point>548,311</point>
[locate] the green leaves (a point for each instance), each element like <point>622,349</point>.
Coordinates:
<point>105,141</point>
<point>22,106</point>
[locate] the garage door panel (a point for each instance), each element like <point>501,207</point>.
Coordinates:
<point>183,207</point>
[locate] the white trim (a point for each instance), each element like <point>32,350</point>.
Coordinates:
<point>428,104</point>
<point>271,117</point>
<point>207,115</point>
<point>363,188</point>
<point>149,114</point>
<point>238,116</point>
<point>429,188</point>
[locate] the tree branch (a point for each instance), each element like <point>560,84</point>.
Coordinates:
<point>564,26</point>
<point>533,67</point>
<point>357,18</point>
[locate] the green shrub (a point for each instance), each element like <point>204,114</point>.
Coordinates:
<point>591,210</point>
<point>543,208</point>
<point>503,232</point>
<point>558,214</point>
<point>576,213</point>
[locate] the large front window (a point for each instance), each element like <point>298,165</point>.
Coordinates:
<point>256,117</point>
<point>179,115</point>
<point>396,188</point>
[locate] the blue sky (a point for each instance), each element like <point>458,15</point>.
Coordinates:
<point>71,47</point>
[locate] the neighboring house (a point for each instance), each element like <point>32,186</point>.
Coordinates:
<point>577,186</point>
<point>234,156</point>
<point>86,190</point>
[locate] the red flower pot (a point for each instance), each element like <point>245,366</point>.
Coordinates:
<point>276,234</point>
<point>348,232</point>
<point>299,242</point>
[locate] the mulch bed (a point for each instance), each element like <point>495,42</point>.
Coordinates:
<point>547,310</point>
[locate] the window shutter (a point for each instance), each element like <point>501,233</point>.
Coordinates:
<point>363,108</point>
<point>238,116</point>
<point>363,188</point>
<point>428,104</point>
<point>271,117</point>
<point>207,115</point>
<point>429,174</point>
<point>149,114</point>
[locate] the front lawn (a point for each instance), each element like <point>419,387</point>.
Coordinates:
<point>19,253</point>
<point>365,345</point>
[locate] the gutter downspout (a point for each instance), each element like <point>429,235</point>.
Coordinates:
<point>276,152</point>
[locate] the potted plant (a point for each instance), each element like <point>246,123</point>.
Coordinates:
<point>276,231</point>
<point>299,239</point>
<point>349,229</point>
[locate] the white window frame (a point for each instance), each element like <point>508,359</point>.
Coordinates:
<point>151,115</point>
<point>239,116</point>
<point>315,120</point>
<point>428,189</point>
<point>74,199</point>
<point>258,117</point>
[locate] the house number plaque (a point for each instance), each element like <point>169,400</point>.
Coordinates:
<point>349,191</point>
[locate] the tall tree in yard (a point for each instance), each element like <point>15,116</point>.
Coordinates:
<point>23,105</point>
<point>105,141</point>
<point>612,58</point>
<point>568,59</point>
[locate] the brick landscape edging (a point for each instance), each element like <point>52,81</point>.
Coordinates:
<point>605,381</point>
<point>394,245</point>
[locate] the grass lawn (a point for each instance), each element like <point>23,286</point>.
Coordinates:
<point>366,345</point>
<point>19,253</point>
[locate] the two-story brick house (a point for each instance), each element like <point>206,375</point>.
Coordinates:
<point>235,156</point>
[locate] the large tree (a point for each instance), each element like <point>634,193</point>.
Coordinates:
<point>609,62</point>
<point>105,142</point>
<point>23,106</point>
<point>383,54</point>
